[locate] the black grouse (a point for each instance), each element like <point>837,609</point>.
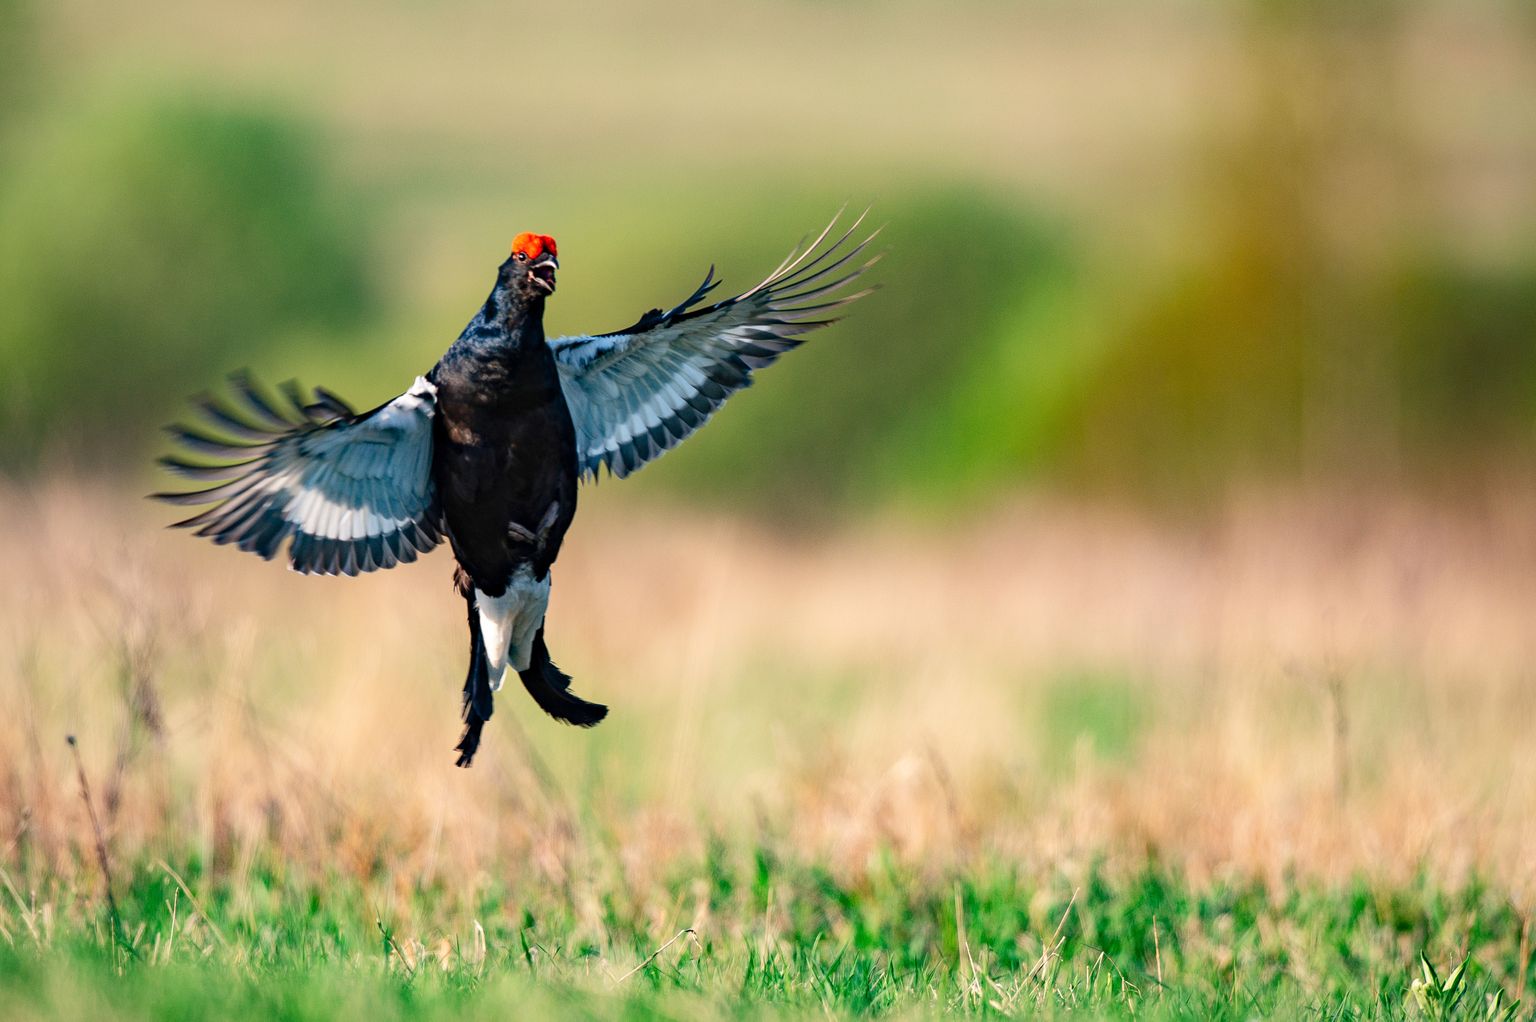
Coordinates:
<point>488,448</point>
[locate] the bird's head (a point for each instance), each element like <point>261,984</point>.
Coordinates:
<point>530,270</point>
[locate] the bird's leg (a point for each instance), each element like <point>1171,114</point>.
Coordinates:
<point>523,534</point>
<point>548,522</point>
<point>478,698</point>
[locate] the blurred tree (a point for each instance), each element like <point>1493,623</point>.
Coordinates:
<point>147,245</point>
<point>1326,328</point>
<point>991,422</point>
<point>17,43</point>
<point>1266,354</point>
<point>1468,360</point>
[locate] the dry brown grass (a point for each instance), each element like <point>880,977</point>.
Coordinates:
<point>1326,689</point>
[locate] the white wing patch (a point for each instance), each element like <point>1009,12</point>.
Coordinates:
<point>352,493</point>
<point>637,393</point>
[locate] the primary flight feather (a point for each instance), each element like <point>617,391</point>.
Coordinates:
<point>488,448</point>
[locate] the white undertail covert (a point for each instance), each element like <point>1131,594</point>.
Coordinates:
<point>509,622</point>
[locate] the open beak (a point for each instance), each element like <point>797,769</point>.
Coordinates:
<point>542,272</point>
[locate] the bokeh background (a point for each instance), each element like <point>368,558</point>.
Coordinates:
<point>1149,251</point>
<point>1174,498</point>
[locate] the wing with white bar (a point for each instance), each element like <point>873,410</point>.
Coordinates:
<point>639,392</point>
<point>352,491</point>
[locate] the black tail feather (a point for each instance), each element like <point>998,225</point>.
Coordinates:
<point>550,688</point>
<point>479,700</point>
<point>469,742</point>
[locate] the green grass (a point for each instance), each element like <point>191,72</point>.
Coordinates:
<point>1091,715</point>
<point>769,938</point>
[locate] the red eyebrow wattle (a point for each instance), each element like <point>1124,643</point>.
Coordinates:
<point>532,245</point>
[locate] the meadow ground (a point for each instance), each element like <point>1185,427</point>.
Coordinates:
<point>1057,759</point>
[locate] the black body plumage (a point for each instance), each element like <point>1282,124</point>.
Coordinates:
<point>504,447</point>
<point>504,463</point>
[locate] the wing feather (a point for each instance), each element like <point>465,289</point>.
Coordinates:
<point>636,393</point>
<point>347,492</point>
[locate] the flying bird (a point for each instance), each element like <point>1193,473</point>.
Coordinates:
<point>488,448</point>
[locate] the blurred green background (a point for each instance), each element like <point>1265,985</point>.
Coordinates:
<point>1155,251</point>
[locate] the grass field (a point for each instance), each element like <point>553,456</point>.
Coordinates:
<point>1058,759</point>
<point>767,936</point>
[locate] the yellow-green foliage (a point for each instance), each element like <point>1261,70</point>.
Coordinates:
<point>150,243</point>
<point>1281,241</point>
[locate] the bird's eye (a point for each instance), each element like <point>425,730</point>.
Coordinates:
<point>522,257</point>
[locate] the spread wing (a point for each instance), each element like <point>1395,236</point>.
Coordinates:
<point>638,392</point>
<point>353,491</point>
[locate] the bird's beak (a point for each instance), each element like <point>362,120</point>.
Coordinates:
<point>542,272</point>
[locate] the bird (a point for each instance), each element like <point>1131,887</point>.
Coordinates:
<point>488,449</point>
